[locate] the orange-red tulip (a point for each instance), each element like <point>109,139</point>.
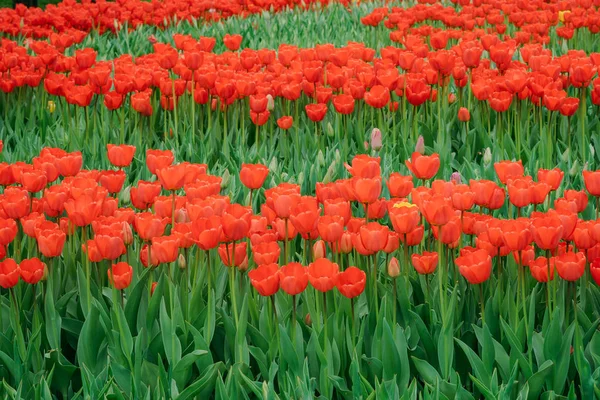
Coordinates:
<point>265,279</point>
<point>120,274</point>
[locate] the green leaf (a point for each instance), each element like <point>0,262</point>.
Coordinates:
<point>188,360</point>
<point>536,382</point>
<point>203,386</point>
<point>53,319</point>
<point>134,299</point>
<point>476,364</point>
<point>90,343</point>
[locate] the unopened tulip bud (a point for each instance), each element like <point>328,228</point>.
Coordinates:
<point>420,146</point>
<point>566,155</point>
<point>226,178</point>
<point>153,287</point>
<point>125,196</point>
<point>366,145</point>
<point>329,129</point>
<point>576,169</point>
<point>270,103</point>
<point>319,250</point>
<point>455,178</point>
<point>307,320</point>
<point>346,243</point>
<point>592,151</point>
<point>487,156</point>
<point>152,39</point>
<point>45,273</point>
<point>463,114</point>
<point>451,98</point>
<point>393,268</point>
<point>51,106</point>
<point>127,233</point>
<point>181,216</point>
<point>376,140</point>
<point>320,159</point>
<point>243,267</point>
<point>181,262</point>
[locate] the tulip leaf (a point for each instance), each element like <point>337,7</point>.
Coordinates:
<point>90,343</point>
<point>476,364</point>
<point>583,366</point>
<point>171,342</point>
<point>203,385</point>
<point>134,298</point>
<point>53,319</point>
<point>446,349</point>
<point>536,381</point>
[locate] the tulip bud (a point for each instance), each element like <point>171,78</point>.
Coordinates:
<point>226,179</point>
<point>451,98</point>
<point>152,39</point>
<point>320,159</point>
<point>329,129</point>
<point>455,178</point>
<point>181,262</point>
<point>420,146</point>
<point>319,250</point>
<point>243,267</point>
<point>393,268</point>
<point>51,106</point>
<point>153,287</point>
<point>127,233</point>
<point>307,320</point>
<point>487,156</point>
<point>566,155</point>
<point>181,216</point>
<point>592,151</point>
<point>464,115</point>
<point>366,145</point>
<point>125,196</point>
<point>270,103</point>
<point>346,243</point>
<point>45,273</point>
<point>576,169</point>
<point>337,156</point>
<point>376,140</point>
<point>300,179</point>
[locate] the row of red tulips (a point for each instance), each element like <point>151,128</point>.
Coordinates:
<point>69,21</point>
<point>73,199</point>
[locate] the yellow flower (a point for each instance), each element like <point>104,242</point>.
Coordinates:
<point>404,204</point>
<point>562,14</point>
<point>51,106</point>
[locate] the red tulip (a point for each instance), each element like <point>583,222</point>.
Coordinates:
<point>476,267</point>
<point>293,278</point>
<point>265,279</point>
<point>351,282</point>
<point>119,275</point>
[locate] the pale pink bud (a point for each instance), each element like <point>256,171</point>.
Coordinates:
<point>307,320</point>
<point>181,262</point>
<point>181,216</point>
<point>393,267</point>
<point>420,146</point>
<point>319,249</point>
<point>455,178</point>
<point>376,140</point>
<point>270,103</point>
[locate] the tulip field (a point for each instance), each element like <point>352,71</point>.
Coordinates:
<point>334,199</point>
